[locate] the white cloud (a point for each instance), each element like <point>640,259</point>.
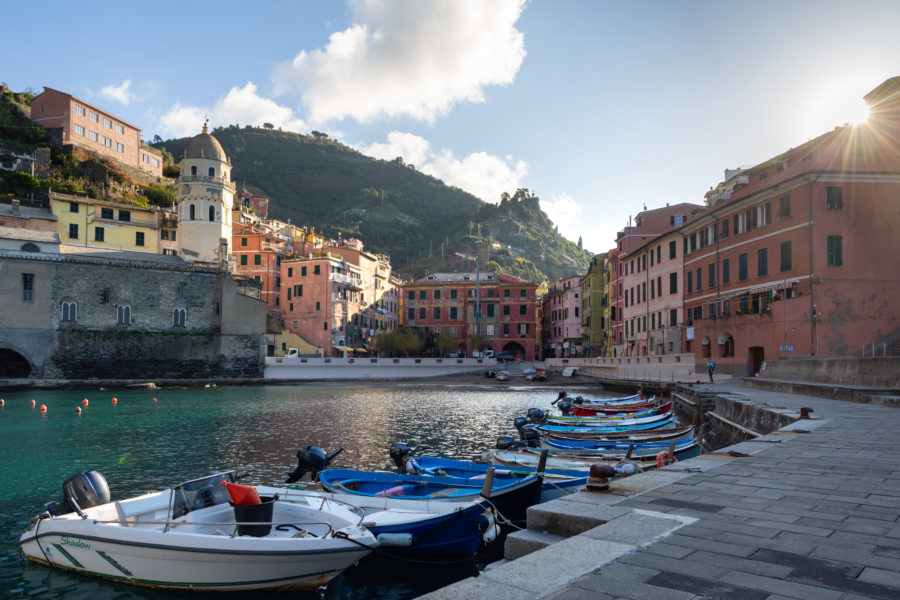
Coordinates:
<point>119,93</point>
<point>415,59</point>
<point>481,174</point>
<point>242,106</point>
<point>565,211</point>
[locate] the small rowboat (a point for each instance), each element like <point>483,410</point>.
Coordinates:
<point>636,437</point>
<point>501,375</point>
<point>656,409</point>
<point>586,449</point>
<point>580,459</point>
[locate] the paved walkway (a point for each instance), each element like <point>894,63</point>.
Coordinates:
<point>808,515</point>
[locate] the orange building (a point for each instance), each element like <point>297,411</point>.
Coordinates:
<point>72,121</point>
<point>795,256</point>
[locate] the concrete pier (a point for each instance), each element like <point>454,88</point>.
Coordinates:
<point>811,510</point>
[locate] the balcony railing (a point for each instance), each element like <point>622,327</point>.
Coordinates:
<point>204,179</point>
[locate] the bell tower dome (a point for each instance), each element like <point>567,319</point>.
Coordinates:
<point>205,197</point>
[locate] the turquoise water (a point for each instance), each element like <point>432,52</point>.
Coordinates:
<point>139,446</point>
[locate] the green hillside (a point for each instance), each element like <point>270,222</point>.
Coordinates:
<point>396,210</point>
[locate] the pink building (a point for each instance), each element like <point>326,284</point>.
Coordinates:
<point>562,312</point>
<point>796,256</point>
<point>72,121</point>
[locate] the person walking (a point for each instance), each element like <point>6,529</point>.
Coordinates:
<point>711,368</point>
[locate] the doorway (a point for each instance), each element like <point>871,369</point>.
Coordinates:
<point>756,355</point>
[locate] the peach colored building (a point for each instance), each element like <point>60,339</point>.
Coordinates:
<point>798,256</point>
<point>72,121</point>
<point>562,318</point>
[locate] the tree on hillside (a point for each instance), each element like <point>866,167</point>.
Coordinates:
<point>579,243</point>
<point>268,126</point>
<point>318,135</point>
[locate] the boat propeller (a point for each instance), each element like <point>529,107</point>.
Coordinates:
<point>312,459</point>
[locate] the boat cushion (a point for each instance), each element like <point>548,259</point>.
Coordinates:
<point>152,507</point>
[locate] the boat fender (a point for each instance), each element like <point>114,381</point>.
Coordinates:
<point>401,540</point>
<point>488,526</point>
<point>398,490</point>
<point>627,469</point>
<point>413,467</point>
<point>664,458</point>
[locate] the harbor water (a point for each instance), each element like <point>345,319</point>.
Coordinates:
<point>140,445</point>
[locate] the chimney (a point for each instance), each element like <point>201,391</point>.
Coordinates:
<point>15,207</point>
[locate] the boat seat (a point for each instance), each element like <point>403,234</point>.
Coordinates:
<point>149,507</point>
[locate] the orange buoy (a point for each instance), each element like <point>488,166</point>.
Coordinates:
<point>78,410</point>
<point>115,401</point>
<point>43,408</point>
<point>85,401</point>
<point>2,402</point>
<point>33,403</point>
<point>154,399</point>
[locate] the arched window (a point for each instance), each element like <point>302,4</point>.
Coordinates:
<point>194,170</point>
<point>123,314</point>
<point>29,247</point>
<point>212,213</point>
<point>179,316</point>
<point>193,212</point>
<point>68,311</point>
<point>212,172</point>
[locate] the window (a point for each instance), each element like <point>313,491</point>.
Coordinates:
<point>673,283</point>
<point>523,329</point>
<point>302,271</point>
<point>138,238</point>
<point>120,129</point>
<point>317,269</point>
<point>490,310</point>
<point>194,170</point>
<point>120,147</point>
<point>437,294</point>
<point>155,162</point>
<point>94,117</point>
<point>673,317</point>
<point>658,254</point>
<point>742,267</point>
<point>318,304</point>
<point>437,313</point>
<point>73,207</point>
<point>712,275</point>
<point>762,262</point>
<point>290,272</point>
<point>422,294</point>
<point>27,287</point>
<point>298,290</point>
<point>834,197</point>
<point>179,316</point>
<point>108,143</point>
<point>506,293</point>
<point>411,313</point>
<point>73,230</point>
<point>106,213</point>
<point>453,312</point>
<point>104,296</point>
<point>658,287</point>
<point>699,278</point>
<point>506,309</point>
<point>723,229</point>
<point>690,282</point>
<point>212,172</point>
<point>490,293</point>
<point>672,249</point>
<point>79,130</point>
<point>99,234</point>
<point>522,293</point>
<point>835,251</point>
<point>92,135</point>
<point>726,271</point>
<point>453,294</point>
<point>784,206</point>
<point>125,215</point>
<point>677,220</point>
<point>79,110</point>
<point>68,311</point>
<point>785,256</point>
<point>243,259</point>
<point>325,326</point>
<point>107,123</point>
<point>123,314</point>
<point>422,313</point>
<point>523,309</point>
<point>506,329</point>
<point>576,311</point>
<point>411,295</point>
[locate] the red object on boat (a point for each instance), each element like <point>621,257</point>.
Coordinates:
<point>585,410</point>
<point>242,494</point>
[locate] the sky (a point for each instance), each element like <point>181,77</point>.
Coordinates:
<point>600,108</point>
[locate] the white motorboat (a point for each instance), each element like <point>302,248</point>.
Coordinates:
<point>189,538</point>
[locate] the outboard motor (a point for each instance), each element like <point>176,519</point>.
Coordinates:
<point>535,415</point>
<point>84,490</point>
<point>562,395</point>
<point>565,407</point>
<point>520,422</point>
<point>312,459</point>
<point>399,451</point>
<point>531,436</point>
<point>505,442</point>
<point>578,400</point>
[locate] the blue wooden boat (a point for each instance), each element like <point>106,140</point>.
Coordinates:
<point>510,496</point>
<point>411,527</point>
<point>557,482</point>
<point>623,426</point>
<point>683,449</point>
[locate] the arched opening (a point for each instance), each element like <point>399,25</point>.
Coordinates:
<point>514,348</point>
<point>706,347</point>
<point>29,247</point>
<point>123,314</point>
<point>212,213</point>
<point>726,344</point>
<point>68,311</point>
<point>193,169</point>
<point>192,210</point>
<point>13,364</point>
<point>179,316</point>
<point>212,172</point>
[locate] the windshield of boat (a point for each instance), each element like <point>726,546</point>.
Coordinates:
<point>200,493</point>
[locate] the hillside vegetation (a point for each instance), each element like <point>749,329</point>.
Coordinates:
<point>423,224</point>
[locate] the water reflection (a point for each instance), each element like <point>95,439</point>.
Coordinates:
<point>140,445</point>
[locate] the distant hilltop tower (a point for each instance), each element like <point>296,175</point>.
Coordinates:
<point>205,199</point>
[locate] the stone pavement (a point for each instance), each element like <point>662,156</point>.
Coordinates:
<point>806,515</point>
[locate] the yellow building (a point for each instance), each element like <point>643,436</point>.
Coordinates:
<point>83,221</point>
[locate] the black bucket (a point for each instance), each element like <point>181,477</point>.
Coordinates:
<point>256,519</point>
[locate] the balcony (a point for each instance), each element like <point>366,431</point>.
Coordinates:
<point>205,179</point>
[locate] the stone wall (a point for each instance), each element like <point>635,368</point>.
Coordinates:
<point>880,372</point>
